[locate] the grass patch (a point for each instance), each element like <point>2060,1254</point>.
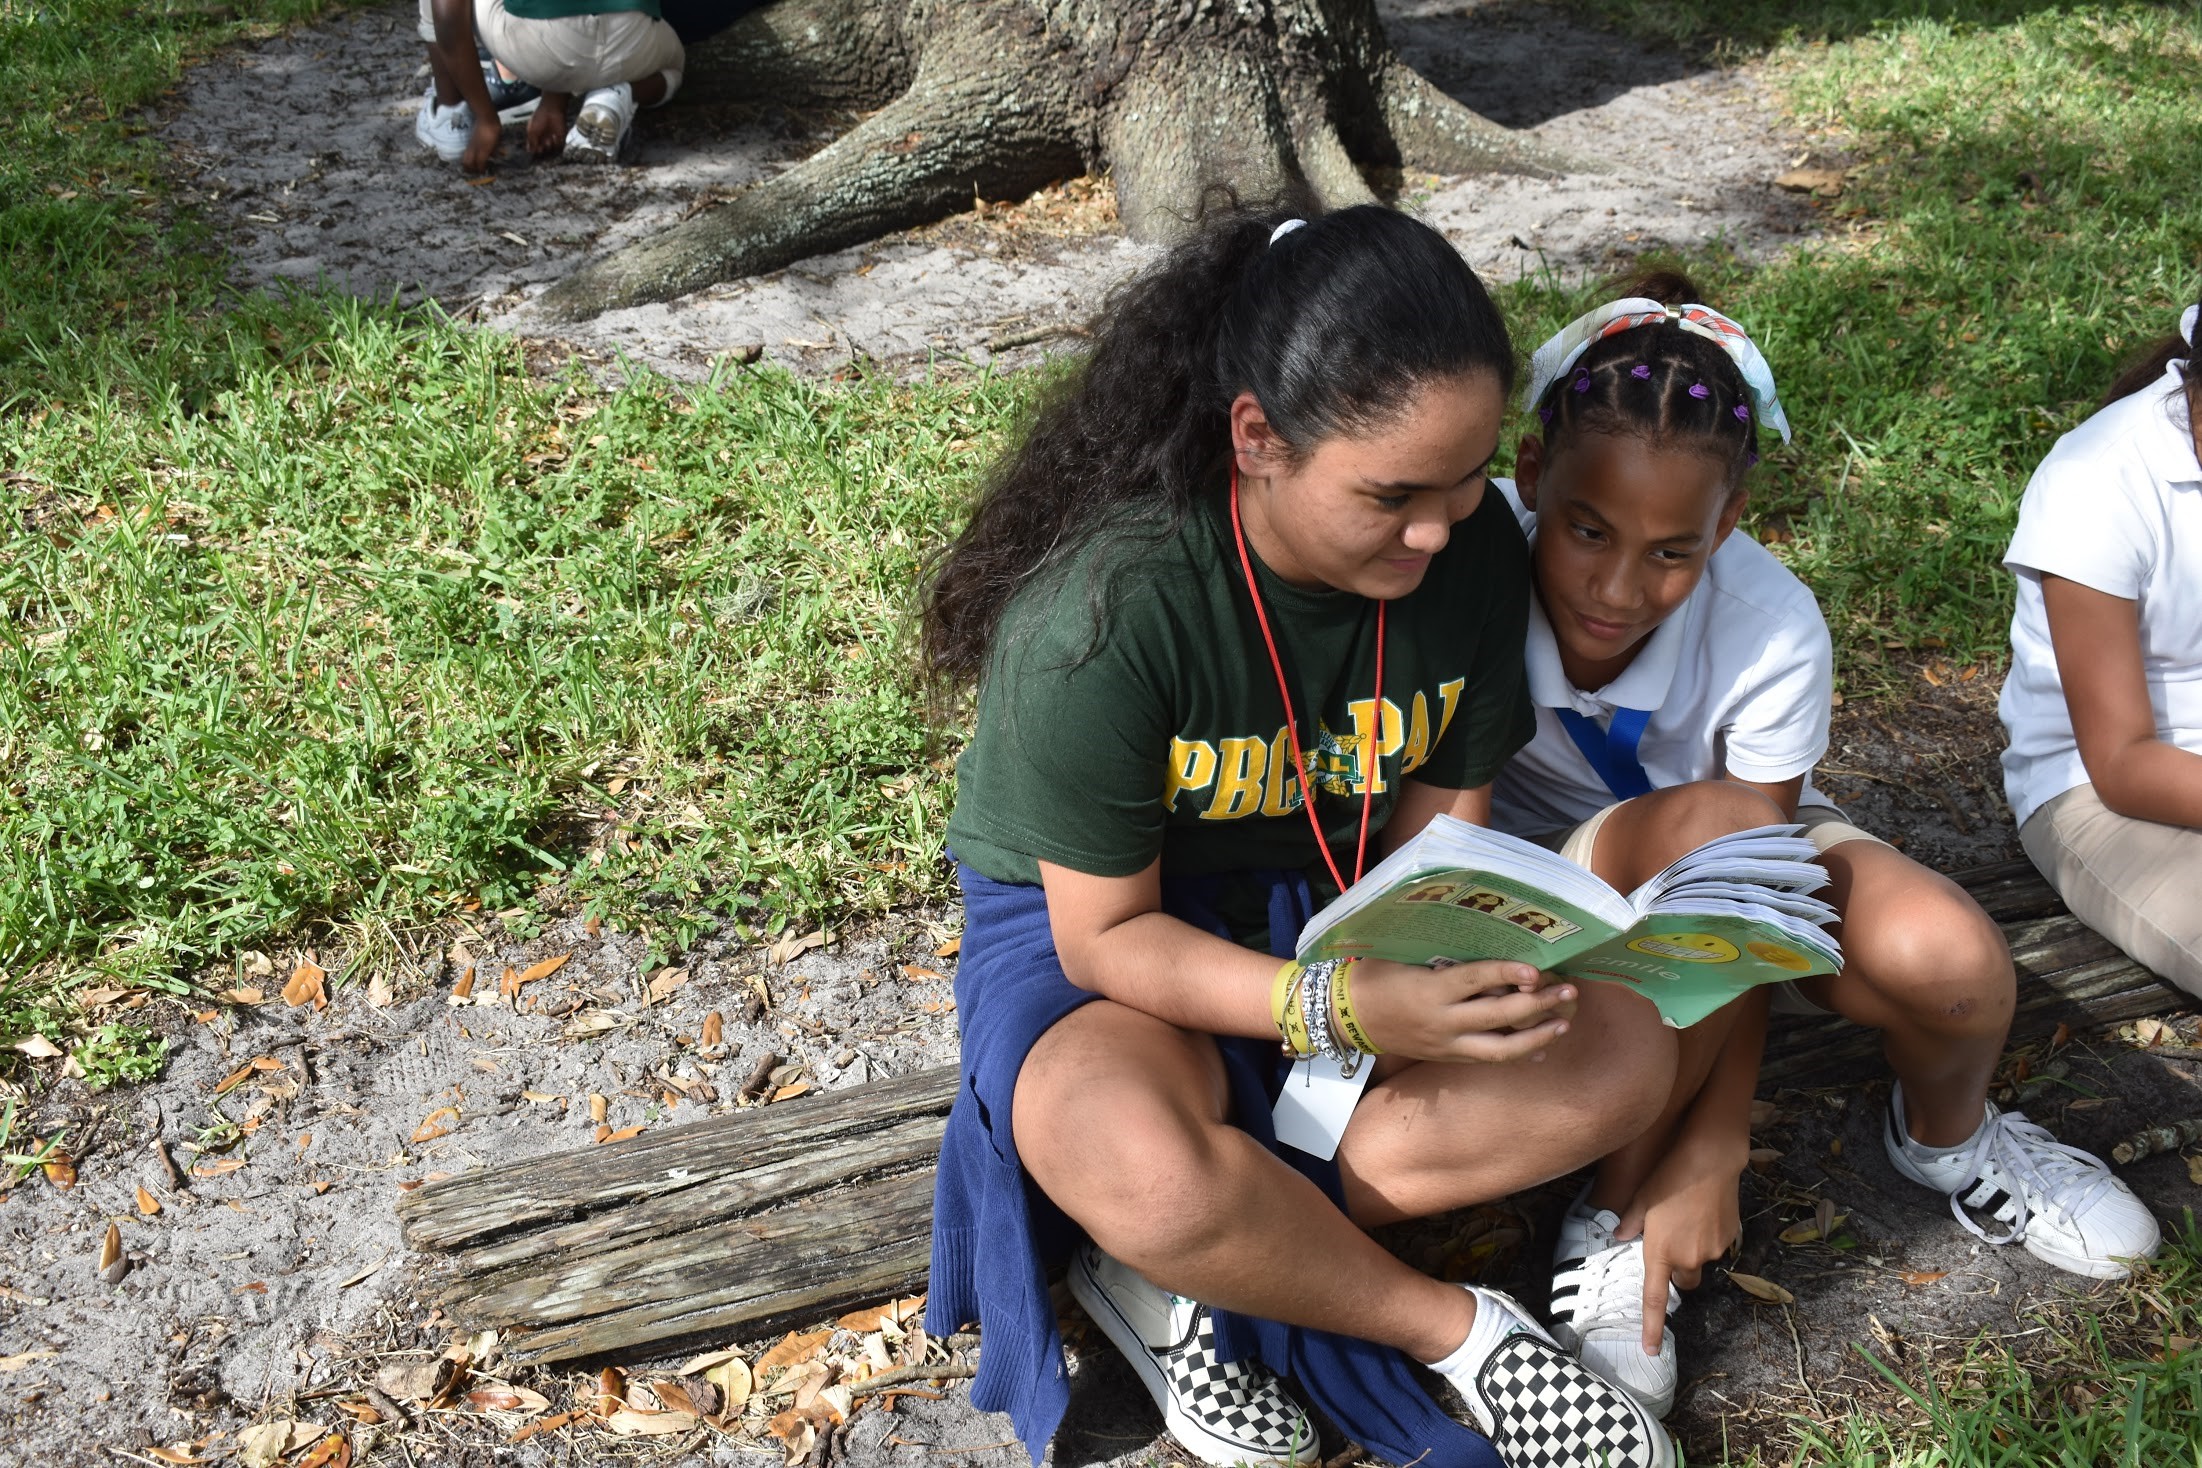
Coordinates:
<point>318,612</point>
<point>2020,224</point>
<point>2116,1387</point>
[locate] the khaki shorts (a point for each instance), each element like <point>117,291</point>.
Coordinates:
<point>2138,883</point>
<point>1824,826</point>
<point>576,53</point>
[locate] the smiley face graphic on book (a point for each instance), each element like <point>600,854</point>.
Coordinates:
<point>1687,947</point>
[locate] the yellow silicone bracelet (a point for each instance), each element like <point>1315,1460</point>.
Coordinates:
<point>1345,1022</point>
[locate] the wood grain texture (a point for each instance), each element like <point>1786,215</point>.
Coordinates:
<point>772,1217</point>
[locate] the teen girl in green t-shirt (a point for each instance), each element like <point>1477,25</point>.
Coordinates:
<point>1246,551</point>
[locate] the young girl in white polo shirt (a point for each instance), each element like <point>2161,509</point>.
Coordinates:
<point>2104,700</point>
<point>1683,678</point>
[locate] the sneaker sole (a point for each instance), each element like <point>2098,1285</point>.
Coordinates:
<point>1203,1444</point>
<point>600,139</point>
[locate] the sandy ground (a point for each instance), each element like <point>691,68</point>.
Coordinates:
<point>278,1289</point>
<point>353,199</point>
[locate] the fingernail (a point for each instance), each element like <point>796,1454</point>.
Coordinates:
<point>1566,994</point>
<point>1560,1028</point>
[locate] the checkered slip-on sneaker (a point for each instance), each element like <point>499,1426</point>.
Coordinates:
<point>1541,1407</point>
<point>1224,1413</point>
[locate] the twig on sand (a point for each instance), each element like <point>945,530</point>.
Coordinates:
<point>903,1375</point>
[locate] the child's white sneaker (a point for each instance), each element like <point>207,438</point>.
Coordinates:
<point>2062,1203</point>
<point>1598,1307</point>
<point>444,129</point>
<point>1540,1405</point>
<point>1222,1412</point>
<point>600,129</point>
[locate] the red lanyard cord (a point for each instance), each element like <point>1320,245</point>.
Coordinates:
<point>1371,767</point>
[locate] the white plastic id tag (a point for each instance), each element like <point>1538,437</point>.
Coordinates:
<point>1317,1102</point>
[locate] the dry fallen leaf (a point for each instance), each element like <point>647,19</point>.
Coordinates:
<point>333,1451</point>
<point>611,1391</point>
<point>629,1423</point>
<point>714,1031</point>
<point>60,1170</point>
<point>2152,1031</point>
<point>950,948</point>
<point>625,1133</point>
<point>379,992</point>
<point>432,1128</point>
<point>541,1098</point>
<point>599,1108</point>
<point>733,1379</point>
<point>871,1319</point>
<point>26,1358</point>
<point>1761,1158</point>
<point>675,1397</point>
<point>233,1080</point>
<point>2062,1037</point>
<point>463,986</point>
<point>1762,1289</point>
<point>110,1248</point>
<point>148,1205</point>
<point>508,1399</point>
<point>791,1349</point>
<point>262,1446</point>
<point>245,996</point>
<point>411,1381</point>
<point>1922,1276</point>
<point>544,969</point>
<point>307,985</point>
<point>788,949</point>
<point>788,1092</point>
<point>918,973</point>
<point>174,1455</point>
<point>1801,1233</point>
<point>38,1047</point>
<point>2194,1168</point>
<point>666,982</point>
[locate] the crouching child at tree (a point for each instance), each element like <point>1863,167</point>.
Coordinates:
<point>1241,614</point>
<point>613,56</point>
<point>2104,701</point>
<point>1684,682</point>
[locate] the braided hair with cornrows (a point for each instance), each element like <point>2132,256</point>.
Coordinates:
<point>1657,382</point>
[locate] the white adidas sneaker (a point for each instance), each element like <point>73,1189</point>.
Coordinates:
<point>1541,1406</point>
<point>2063,1204</point>
<point>600,129</point>
<point>1225,1413</point>
<point>1598,1307</point>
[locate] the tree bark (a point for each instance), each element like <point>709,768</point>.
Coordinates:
<point>995,98</point>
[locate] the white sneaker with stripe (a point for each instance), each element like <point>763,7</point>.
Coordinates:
<point>1598,1306</point>
<point>2062,1203</point>
<point>1225,1413</point>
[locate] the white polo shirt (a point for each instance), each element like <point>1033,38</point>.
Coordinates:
<point>1739,680</point>
<point>2116,506</point>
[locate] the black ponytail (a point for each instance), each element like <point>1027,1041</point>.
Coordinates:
<point>1332,329</point>
<point>1657,382</point>
<point>2149,366</point>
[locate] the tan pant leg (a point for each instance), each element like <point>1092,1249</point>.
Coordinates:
<point>2138,883</point>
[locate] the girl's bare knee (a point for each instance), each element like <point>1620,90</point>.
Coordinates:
<point>1938,960</point>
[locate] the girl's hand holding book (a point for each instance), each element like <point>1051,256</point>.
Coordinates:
<point>1486,1011</point>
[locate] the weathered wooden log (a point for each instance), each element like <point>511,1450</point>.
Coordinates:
<point>747,1223</point>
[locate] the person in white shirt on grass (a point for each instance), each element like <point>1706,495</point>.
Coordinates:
<point>2104,700</point>
<point>1684,684</point>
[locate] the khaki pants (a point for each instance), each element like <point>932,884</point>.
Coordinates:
<point>2138,883</point>
<point>577,53</point>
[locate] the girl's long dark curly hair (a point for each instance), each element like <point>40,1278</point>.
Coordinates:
<point>2150,365</point>
<point>1331,328</point>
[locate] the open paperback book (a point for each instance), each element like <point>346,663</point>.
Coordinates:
<point>1735,912</point>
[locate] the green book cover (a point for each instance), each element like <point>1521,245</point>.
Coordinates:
<point>1687,963</point>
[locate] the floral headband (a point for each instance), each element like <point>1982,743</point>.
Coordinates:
<point>1554,359</point>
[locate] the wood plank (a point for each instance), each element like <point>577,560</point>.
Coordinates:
<point>743,1224</point>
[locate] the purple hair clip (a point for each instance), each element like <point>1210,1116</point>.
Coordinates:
<point>1641,372</point>
<point>1743,413</point>
<point>1750,457</point>
<point>1545,413</point>
<point>1700,391</point>
<point>1582,380</point>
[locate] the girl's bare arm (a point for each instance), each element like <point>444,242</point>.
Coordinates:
<point>2097,638</point>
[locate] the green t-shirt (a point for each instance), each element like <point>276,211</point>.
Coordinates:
<point>563,9</point>
<point>1170,740</point>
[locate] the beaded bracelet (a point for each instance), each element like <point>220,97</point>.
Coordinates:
<point>1349,1024</point>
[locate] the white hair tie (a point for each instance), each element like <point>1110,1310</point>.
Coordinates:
<point>1286,228</point>
<point>2186,317</point>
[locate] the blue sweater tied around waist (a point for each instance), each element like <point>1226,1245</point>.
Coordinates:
<point>996,1237</point>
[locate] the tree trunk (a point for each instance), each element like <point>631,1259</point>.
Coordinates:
<point>996,98</point>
